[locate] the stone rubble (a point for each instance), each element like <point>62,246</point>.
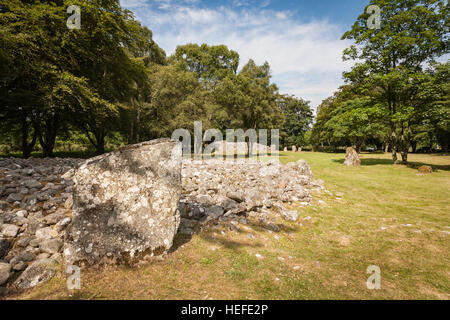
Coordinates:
<point>36,200</point>
<point>238,193</point>
<point>33,218</point>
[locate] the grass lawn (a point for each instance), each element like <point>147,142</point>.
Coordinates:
<point>387,216</point>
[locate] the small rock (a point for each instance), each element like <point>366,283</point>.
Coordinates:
<point>22,213</point>
<point>24,256</point>
<point>25,241</point>
<point>236,196</point>
<point>5,272</point>
<point>68,203</point>
<point>51,246</point>
<point>54,218</point>
<point>5,245</point>
<point>43,255</point>
<point>62,224</point>
<point>214,211</point>
<point>259,256</point>
<point>425,170</point>
<point>10,230</point>
<point>21,265</point>
<point>289,215</point>
<point>44,233</point>
<point>33,184</point>
<point>13,197</point>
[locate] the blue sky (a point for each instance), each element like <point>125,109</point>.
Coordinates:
<point>299,38</point>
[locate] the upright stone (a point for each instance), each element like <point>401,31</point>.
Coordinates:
<point>125,204</point>
<point>294,148</point>
<point>352,158</point>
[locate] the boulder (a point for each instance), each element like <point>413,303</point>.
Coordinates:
<point>125,204</point>
<point>38,272</point>
<point>352,158</point>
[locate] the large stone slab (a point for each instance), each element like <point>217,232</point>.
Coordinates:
<point>125,204</point>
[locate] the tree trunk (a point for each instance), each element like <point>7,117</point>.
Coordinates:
<point>404,157</point>
<point>100,143</point>
<point>47,136</point>
<point>27,147</point>
<point>414,146</point>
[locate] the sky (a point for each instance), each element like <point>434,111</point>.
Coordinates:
<point>299,38</point>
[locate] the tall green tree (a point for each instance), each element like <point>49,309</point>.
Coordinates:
<point>412,33</point>
<point>298,118</point>
<point>211,64</point>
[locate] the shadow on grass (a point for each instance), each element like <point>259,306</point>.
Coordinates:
<point>412,165</point>
<point>205,234</point>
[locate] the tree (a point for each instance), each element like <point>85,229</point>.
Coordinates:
<point>298,117</point>
<point>432,125</point>
<point>211,64</point>
<point>248,100</point>
<point>413,32</point>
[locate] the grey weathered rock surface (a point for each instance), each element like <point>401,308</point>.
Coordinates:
<point>125,204</point>
<point>38,272</point>
<point>249,190</point>
<point>352,158</point>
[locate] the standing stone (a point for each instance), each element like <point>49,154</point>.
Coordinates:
<point>125,204</point>
<point>285,149</point>
<point>352,158</point>
<point>294,149</point>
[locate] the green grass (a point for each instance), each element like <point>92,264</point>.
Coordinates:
<point>388,216</point>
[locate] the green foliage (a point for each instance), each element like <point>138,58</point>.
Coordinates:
<point>389,73</point>
<point>109,83</point>
<point>298,118</point>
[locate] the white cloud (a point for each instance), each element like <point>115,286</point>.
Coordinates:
<point>305,57</point>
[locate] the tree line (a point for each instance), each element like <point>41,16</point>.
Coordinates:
<point>396,96</point>
<point>110,81</point>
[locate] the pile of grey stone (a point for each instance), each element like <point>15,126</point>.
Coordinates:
<point>235,192</point>
<point>35,208</point>
<point>129,204</point>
